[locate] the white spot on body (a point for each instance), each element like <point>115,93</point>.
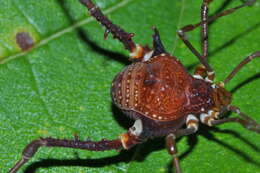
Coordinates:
<point>148,55</point>
<point>163,54</point>
<point>209,117</point>
<point>137,128</point>
<point>210,73</point>
<point>208,80</point>
<point>191,117</point>
<point>197,76</point>
<point>203,116</point>
<point>213,114</point>
<point>213,86</point>
<point>154,115</point>
<point>210,112</point>
<point>192,122</point>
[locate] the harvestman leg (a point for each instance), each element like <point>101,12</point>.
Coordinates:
<point>241,65</point>
<point>244,120</point>
<point>172,150</point>
<point>206,70</point>
<point>116,31</point>
<point>32,148</point>
<point>125,141</point>
<point>192,124</point>
<point>136,51</point>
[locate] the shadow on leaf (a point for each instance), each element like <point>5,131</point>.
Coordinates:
<point>245,82</point>
<point>82,34</point>
<point>140,152</point>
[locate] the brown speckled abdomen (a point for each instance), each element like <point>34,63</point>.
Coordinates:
<point>158,88</point>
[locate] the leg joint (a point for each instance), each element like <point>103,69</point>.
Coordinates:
<point>192,122</point>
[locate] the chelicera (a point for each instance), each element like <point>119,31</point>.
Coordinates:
<point>159,94</point>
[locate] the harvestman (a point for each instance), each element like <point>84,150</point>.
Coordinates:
<point>159,94</point>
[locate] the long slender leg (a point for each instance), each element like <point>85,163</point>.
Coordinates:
<point>126,141</point>
<point>172,150</point>
<point>191,27</point>
<point>32,148</point>
<point>203,23</point>
<point>183,37</point>
<point>204,27</point>
<point>204,37</point>
<point>192,127</point>
<point>117,32</point>
<point>241,65</point>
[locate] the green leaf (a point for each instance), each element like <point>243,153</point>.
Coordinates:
<point>61,86</point>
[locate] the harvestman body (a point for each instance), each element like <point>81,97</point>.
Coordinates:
<point>159,94</point>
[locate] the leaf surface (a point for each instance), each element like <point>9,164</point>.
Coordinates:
<point>61,86</point>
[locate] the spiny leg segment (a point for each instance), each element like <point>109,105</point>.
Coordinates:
<point>32,148</point>
<point>125,38</point>
<point>137,52</point>
<point>116,31</point>
<point>125,141</point>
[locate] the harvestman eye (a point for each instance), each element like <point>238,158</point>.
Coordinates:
<point>159,94</point>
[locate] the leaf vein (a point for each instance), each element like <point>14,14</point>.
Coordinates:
<point>62,32</point>
<point>178,26</point>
